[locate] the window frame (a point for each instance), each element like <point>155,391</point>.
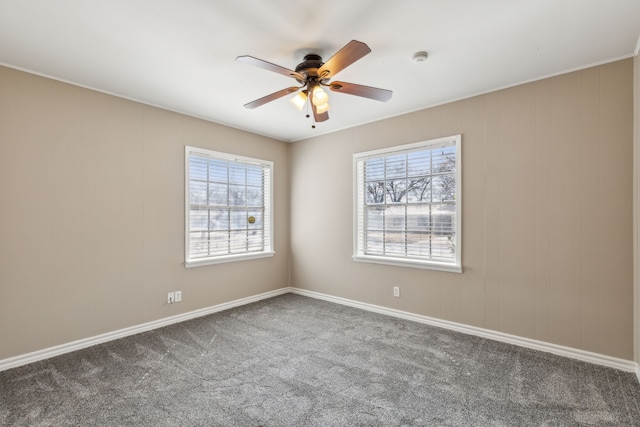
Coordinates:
<point>359,253</point>
<point>268,250</point>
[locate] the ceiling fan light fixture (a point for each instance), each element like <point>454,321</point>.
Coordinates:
<point>300,99</point>
<point>320,97</point>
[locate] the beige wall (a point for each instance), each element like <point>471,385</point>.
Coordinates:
<point>91,222</point>
<point>92,214</point>
<point>547,212</point>
<point>636,202</point>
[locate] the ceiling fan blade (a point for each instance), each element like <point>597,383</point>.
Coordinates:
<point>346,56</point>
<point>250,60</point>
<point>272,97</point>
<point>360,90</point>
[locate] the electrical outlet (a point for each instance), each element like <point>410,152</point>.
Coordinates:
<point>396,291</point>
<point>171,298</point>
<point>178,295</point>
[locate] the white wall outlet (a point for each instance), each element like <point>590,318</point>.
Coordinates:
<point>178,295</point>
<point>396,291</point>
<point>171,298</point>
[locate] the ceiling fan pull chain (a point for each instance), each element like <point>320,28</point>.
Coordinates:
<point>309,100</point>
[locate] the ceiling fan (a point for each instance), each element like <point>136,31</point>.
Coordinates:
<point>313,74</point>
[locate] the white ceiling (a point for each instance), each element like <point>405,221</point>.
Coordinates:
<point>180,55</point>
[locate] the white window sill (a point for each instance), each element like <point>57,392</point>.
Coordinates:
<point>427,265</point>
<point>228,258</point>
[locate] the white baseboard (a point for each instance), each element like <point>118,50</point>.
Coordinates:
<point>599,359</point>
<point>585,356</point>
<point>24,359</point>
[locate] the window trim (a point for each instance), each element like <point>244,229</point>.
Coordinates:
<point>358,234</point>
<point>268,225</point>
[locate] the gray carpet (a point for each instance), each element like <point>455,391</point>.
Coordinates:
<point>297,361</point>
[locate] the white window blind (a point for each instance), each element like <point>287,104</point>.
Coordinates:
<point>407,206</point>
<point>228,207</point>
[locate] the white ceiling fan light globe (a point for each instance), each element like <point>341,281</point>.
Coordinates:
<point>299,100</point>
<point>320,97</point>
<point>320,109</point>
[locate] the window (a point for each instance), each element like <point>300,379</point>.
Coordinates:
<point>408,204</point>
<point>228,207</point>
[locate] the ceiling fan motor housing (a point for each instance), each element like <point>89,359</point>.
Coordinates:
<point>309,68</point>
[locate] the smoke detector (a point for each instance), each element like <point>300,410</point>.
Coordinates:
<point>420,56</point>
